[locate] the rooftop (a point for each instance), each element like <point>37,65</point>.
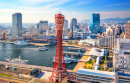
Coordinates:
<point>97,52</point>
<point>96,73</point>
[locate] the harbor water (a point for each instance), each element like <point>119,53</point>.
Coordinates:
<point>32,54</point>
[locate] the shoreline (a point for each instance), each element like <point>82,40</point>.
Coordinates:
<point>43,44</point>
<point>35,44</point>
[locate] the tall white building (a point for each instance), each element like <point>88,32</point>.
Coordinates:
<point>82,35</point>
<point>43,26</point>
<point>107,41</point>
<point>122,53</point>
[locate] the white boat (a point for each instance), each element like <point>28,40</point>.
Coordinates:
<point>21,42</point>
<point>43,48</point>
<point>16,60</point>
<point>65,58</point>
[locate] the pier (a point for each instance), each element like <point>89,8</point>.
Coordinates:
<point>76,49</point>
<point>27,66</point>
<point>73,53</point>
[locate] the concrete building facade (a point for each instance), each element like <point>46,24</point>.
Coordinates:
<point>127,30</point>
<point>122,54</point>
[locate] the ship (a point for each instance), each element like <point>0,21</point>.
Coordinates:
<point>43,48</point>
<point>16,60</point>
<point>65,58</point>
<point>21,42</point>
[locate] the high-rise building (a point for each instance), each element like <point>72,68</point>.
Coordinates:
<point>59,68</point>
<point>43,26</point>
<point>17,25</point>
<point>73,24</point>
<point>127,30</point>
<point>95,23</point>
<point>65,24</point>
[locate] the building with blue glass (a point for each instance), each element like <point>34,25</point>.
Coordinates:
<point>95,23</point>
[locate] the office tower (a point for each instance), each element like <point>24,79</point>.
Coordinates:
<point>37,25</point>
<point>59,68</point>
<point>95,23</point>
<point>17,25</point>
<point>127,30</point>
<point>43,25</point>
<point>73,24</point>
<point>65,24</point>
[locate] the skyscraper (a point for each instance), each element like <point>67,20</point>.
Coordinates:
<point>95,23</point>
<point>43,26</point>
<point>17,25</point>
<point>127,30</point>
<point>59,68</point>
<point>73,24</point>
<point>65,24</point>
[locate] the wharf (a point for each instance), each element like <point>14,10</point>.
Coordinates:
<point>35,44</point>
<point>76,49</point>
<point>27,66</point>
<point>72,53</point>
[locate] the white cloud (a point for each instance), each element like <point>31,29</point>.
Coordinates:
<point>34,15</point>
<point>82,2</point>
<point>119,4</point>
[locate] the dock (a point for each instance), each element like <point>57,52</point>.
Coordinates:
<point>76,49</point>
<point>73,53</point>
<point>27,66</point>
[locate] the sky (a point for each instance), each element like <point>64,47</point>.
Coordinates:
<point>35,10</point>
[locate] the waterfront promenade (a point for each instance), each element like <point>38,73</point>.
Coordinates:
<point>81,63</point>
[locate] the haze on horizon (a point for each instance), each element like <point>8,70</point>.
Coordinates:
<point>35,10</point>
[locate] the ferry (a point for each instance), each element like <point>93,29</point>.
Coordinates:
<point>65,58</point>
<point>21,42</point>
<point>16,60</point>
<point>43,48</point>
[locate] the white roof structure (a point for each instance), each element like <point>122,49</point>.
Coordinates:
<point>96,52</point>
<point>97,73</point>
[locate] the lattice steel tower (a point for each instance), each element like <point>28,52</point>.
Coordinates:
<point>59,69</point>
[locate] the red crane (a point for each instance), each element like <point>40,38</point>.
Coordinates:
<point>3,37</point>
<point>59,68</point>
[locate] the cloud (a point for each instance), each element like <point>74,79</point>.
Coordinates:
<point>118,4</point>
<point>82,2</point>
<point>34,16</point>
<point>103,15</point>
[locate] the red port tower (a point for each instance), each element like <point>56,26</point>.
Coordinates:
<point>59,68</point>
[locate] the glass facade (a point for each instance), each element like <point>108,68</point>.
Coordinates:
<point>95,23</point>
<point>17,25</point>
